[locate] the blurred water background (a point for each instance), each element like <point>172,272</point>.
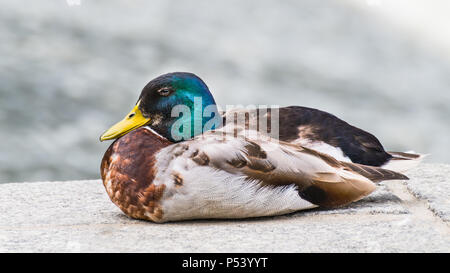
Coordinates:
<point>68,72</point>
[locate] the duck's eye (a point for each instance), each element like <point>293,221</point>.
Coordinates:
<point>164,91</point>
<point>131,115</point>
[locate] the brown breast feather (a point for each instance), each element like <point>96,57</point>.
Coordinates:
<point>129,165</point>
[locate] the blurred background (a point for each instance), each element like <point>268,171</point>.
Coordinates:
<point>71,68</point>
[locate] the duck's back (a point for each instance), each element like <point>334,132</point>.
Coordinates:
<point>326,133</point>
<point>313,127</point>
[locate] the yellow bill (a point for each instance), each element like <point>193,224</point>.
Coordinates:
<point>133,120</point>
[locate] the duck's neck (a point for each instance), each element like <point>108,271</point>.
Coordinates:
<point>187,122</point>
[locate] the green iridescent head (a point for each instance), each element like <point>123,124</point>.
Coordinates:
<point>176,105</point>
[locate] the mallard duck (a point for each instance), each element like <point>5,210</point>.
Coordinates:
<point>166,166</point>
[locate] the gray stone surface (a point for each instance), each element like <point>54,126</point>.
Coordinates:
<point>77,216</point>
<point>432,183</point>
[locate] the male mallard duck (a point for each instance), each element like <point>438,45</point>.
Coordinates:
<point>160,171</point>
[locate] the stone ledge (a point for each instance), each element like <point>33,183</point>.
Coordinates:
<point>77,216</point>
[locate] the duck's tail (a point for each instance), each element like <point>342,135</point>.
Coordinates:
<point>401,162</point>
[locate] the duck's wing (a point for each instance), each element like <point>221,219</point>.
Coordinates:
<point>320,179</point>
<point>321,131</point>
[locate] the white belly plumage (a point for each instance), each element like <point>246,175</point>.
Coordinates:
<point>217,194</point>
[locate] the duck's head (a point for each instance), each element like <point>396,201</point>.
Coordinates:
<point>177,105</point>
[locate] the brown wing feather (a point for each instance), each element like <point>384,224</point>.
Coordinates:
<point>331,194</point>
<point>376,174</point>
<point>405,156</point>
